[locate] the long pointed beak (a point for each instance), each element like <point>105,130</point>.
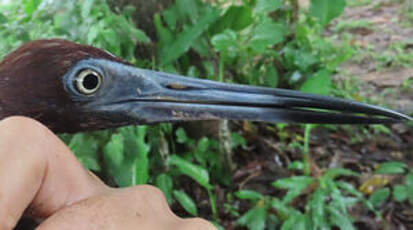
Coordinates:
<point>151,97</point>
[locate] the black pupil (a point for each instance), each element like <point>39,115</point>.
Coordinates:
<point>90,82</point>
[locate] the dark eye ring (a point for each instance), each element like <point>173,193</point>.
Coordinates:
<point>88,81</point>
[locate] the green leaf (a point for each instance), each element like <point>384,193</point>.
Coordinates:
<point>226,43</point>
<point>317,204</point>
<point>86,8</point>
<point>3,18</point>
<point>171,16</point>
<point>249,195</point>
<point>197,173</point>
<point>296,222</point>
<point>271,76</point>
<point>164,183</point>
<point>113,150</point>
<point>235,18</point>
<point>391,168</point>
<point>188,8</point>
<point>409,186</point>
<point>335,172</point>
<point>267,6</point>
<point>342,221</point>
<point>326,10</point>
<point>181,136</point>
<point>203,145</point>
<point>319,83</point>
<point>254,219</point>
<point>165,36</point>
<point>85,148</point>
<point>186,202</point>
<point>142,160</point>
<point>132,167</point>
<point>296,165</point>
<point>349,188</point>
<point>400,193</point>
<point>184,40</point>
<point>139,35</point>
<point>30,6</point>
<point>295,186</point>
<point>282,209</point>
<point>293,182</point>
<point>267,33</point>
<point>378,197</point>
<point>237,140</point>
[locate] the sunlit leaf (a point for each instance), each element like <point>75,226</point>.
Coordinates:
<point>186,202</point>
<point>326,10</point>
<point>85,148</point>
<point>203,145</point>
<point>86,8</point>
<point>296,222</point>
<point>391,168</point>
<point>319,83</point>
<point>3,18</point>
<point>266,6</point>
<point>267,33</point>
<point>165,36</point>
<point>113,150</point>
<point>294,185</point>
<point>235,18</point>
<point>188,8</point>
<point>339,219</point>
<point>293,182</point>
<point>317,204</point>
<point>164,183</point>
<point>226,42</point>
<point>199,174</point>
<point>30,6</point>
<point>184,40</point>
<point>255,218</point>
<point>181,136</point>
<point>248,194</point>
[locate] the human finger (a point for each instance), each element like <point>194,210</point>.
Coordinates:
<point>38,171</point>
<point>141,208</point>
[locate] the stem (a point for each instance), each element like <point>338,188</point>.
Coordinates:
<point>221,68</point>
<point>306,159</point>
<point>224,131</point>
<point>212,200</point>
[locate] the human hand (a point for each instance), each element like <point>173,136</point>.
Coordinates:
<point>42,178</point>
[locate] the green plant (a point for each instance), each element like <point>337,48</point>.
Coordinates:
<point>325,206</point>
<point>401,192</point>
<point>351,25</point>
<point>259,42</point>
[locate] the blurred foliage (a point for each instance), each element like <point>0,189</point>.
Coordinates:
<point>259,42</point>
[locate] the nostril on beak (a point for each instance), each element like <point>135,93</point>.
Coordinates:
<point>177,86</point>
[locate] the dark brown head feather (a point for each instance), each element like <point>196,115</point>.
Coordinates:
<point>30,77</point>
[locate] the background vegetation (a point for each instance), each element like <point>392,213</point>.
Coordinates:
<point>247,175</point>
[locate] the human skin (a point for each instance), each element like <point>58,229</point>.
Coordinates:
<point>41,178</point>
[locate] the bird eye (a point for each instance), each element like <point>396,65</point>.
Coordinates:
<point>88,81</point>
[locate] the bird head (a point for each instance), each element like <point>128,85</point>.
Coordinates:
<point>72,87</point>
